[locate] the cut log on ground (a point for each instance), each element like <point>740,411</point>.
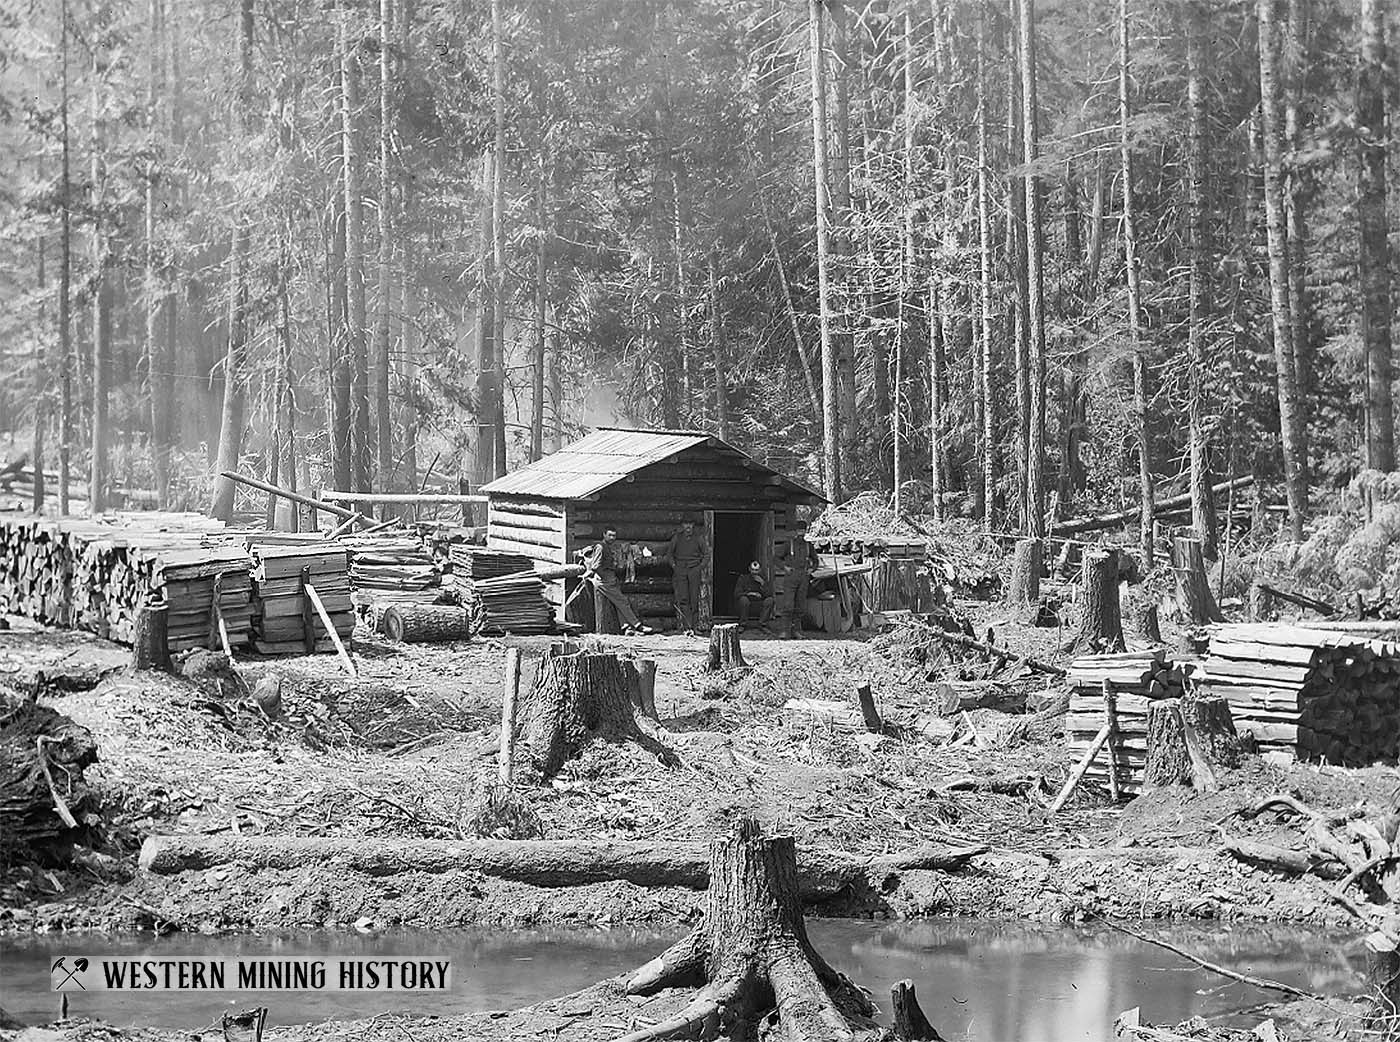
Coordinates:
<point>1026,565</point>
<point>577,698</point>
<point>725,650</point>
<point>1192,587</point>
<point>1159,506</point>
<point>1100,618</point>
<point>1189,742</point>
<point>427,623</point>
<point>990,651</point>
<point>752,958</point>
<point>824,874</point>
<point>45,804</point>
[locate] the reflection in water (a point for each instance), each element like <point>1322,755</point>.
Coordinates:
<point>979,980</point>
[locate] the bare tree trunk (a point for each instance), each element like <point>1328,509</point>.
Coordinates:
<point>1130,260</point>
<point>498,235</point>
<point>906,268</point>
<point>1295,479</point>
<point>361,423</point>
<point>1295,216</point>
<point>717,350</point>
<point>383,430</point>
<point>938,379</point>
<point>101,315</point>
<point>803,354</point>
<point>157,289</point>
<point>408,346</point>
<point>231,415</point>
<point>1202,501</point>
<point>487,386</point>
<point>831,416</point>
<point>839,215</point>
<point>1373,247</point>
<point>542,175</point>
<point>65,279</point>
<point>342,442</point>
<point>41,387</point>
<point>987,484</point>
<point>1018,320</point>
<point>285,518</point>
<point>1035,277</point>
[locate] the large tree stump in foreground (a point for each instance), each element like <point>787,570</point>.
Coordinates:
<point>1100,616</point>
<point>1189,741</point>
<point>725,651</point>
<point>1192,587</point>
<point>1024,587</point>
<point>576,698</point>
<point>751,958</point>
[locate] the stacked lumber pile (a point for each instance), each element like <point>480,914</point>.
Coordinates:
<point>1309,694</point>
<point>286,621</point>
<point>1135,679</point>
<point>391,568</point>
<point>508,604</point>
<point>477,562</point>
<point>95,573</point>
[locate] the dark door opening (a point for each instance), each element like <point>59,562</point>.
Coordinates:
<point>737,539</point>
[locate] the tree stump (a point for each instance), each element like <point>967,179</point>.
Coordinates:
<point>427,623</point>
<point>646,687</point>
<point>45,803</point>
<point>751,958</point>
<point>1383,980</point>
<point>1142,619</point>
<point>1192,586</point>
<point>725,652</point>
<point>1026,566</point>
<point>1100,618</point>
<point>910,1024</point>
<point>1189,741</point>
<point>576,698</point>
<point>1261,604</point>
<point>150,643</point>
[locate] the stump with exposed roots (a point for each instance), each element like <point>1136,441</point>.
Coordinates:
<point>751,959</point>
<point>575,699</point>
<point>1192,587</point>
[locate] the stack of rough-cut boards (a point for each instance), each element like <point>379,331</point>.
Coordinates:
<point>1136,679</point>
<point>508,604</point>
<point>475,562</point>
<point>94,573</point>
<point>282,607</point>
<point>390,569</point>
<point>1309,694</point>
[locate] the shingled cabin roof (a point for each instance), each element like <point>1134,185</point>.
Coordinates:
<point>610,455</point>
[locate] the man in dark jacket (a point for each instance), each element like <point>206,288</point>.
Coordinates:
<point>750,592</point>
<point>686,553</point>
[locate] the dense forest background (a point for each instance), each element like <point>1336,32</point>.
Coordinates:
<point>1013,261</point>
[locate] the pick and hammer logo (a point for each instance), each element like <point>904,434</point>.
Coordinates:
<point>67,974</point>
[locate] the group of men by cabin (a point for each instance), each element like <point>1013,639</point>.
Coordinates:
<point>758,598</point>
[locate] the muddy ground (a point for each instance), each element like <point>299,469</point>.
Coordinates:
<point>403,750</point>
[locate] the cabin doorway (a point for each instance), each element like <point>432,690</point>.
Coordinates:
<point>737,539</point>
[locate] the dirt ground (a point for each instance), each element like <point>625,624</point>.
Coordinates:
<point>403,750</point>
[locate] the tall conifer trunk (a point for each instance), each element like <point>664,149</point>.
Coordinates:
<point>1202,501</point>
<point>1035,278</point>
<point>1373,248</point>
<point>383,429</point>
<point>831,417</point>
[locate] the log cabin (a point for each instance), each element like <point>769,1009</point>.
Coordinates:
<point>645,483</point>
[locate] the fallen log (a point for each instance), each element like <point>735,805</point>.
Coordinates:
<point>1101,521</point>
<point>297,497</point>
<point>1310,603</point>
<point>547,862</point>
<point>994,652</point>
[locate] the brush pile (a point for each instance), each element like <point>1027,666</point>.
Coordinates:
<point>1135,679</point>
<point>1309,694</point>
<point>94,574</point>
<point>286,621</point>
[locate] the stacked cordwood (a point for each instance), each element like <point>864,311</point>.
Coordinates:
<point>508,604</point>
<point>96,573</point>
<point>286,621</point>
<point>1309,694</point>
<point>1135,679</point>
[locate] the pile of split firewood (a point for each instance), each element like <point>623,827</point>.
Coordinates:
<point>1110,701</point>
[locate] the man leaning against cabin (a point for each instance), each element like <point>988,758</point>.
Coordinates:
<point>686,553</point>
<point>750,592</point>
<point>604,560</point>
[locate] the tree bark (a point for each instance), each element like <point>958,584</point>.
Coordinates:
<point>717,350</point>
<point>1373,248</point>
<point>65,277</point>
<point>1192,585</point>
<point>1026,566</point>
<point>831,416</point>
<point>910,1023</point>
<point>725,650</point>
<point>158,361</point>
<point>498,237</point>
<point>1189,742</point>
<point>1295,478</point>
<point>150,647</point>
<point>751,956</point>
<point>285,517</point>
<point>383,430</point>
<point>575,699</point>
<point>1130,259</point>
<point>487,382</point>
<point>1202,501</point>
<point>361,418</point>
<point>937,381</point>
<point>427,623</point>
<point>1100,616</point>
<point>338,338</point>
<point>987,481</point>
<point>101,375</point>
<point>1035,277</point>
<point>542,176</point>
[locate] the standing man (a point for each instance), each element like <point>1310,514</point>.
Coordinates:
<point>750,592</point>
<point>603,560</point>
<point>686,553</point>
<point>795,567</point>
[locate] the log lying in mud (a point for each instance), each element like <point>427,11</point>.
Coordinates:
<point>547,862</point>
